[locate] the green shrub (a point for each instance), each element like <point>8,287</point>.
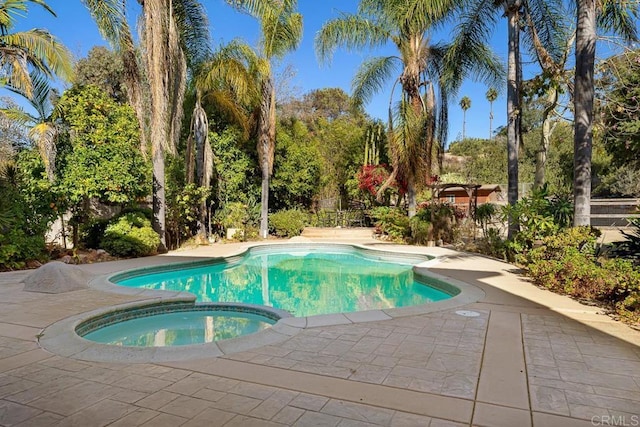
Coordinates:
<point>92,233</point>
<point>582,239</point>
<point>130,235</point>
<point>392,222</point>
<point>420,230</point>
<point>287,223</point>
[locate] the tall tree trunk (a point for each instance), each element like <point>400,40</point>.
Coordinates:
<point>157,53</point>
<point>491,120</point>
<point>513,109</point>
<point>545,137</point>
<point>464,124</point>
<point>583,106</point>
<point>266,147</point>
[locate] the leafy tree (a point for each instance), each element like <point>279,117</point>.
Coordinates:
<point>619,94</point>
<point>406,25</point>
<point>296,175</point>
<point>103,68</point>
<point>281,32</point>
<point>25,54</point>
<point>617,16</point>
<point>102,159</point>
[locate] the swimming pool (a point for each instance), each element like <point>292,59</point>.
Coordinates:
<point>304,280</point>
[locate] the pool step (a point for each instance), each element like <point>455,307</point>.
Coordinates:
<point>337,233</point>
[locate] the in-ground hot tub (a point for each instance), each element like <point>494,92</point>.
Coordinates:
<point>177,324</point>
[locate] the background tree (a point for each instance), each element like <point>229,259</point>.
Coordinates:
<point>418,123</point>
<point>103,68</point>
<point>465,104</point>
<point>31,53</point>
<point>491,95</point>
<point>476,23</point>
<point>281,32</point>
<point>614,16</point>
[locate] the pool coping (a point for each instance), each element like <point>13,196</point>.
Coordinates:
<point>61,337</point>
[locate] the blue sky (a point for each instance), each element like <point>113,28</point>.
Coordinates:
<point>75,28</point>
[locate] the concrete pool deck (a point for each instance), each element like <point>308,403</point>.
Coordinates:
<point>529,357</point>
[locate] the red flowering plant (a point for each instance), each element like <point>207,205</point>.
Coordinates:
<point>371,178</point>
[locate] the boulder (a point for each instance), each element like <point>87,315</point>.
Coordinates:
<point>55,278</point>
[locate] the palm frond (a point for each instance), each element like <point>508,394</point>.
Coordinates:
<point>548,31</point>
<point>372,76</point>
<point>111,20</point>
<point>426,14</point>
<point>352,32</point>
<point>620,17</point>
<point>281,34</point>
<point>42,51</point>
<point>469,50</point>
<point>193,26</point>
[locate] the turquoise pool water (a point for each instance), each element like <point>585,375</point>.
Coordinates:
<point>179,328</point>
<point>303,281</point>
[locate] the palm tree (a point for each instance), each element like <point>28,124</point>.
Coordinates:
<point>618,16</point>
<point>465,104</point>
<point>492,95</point>
<point>175,36</point>
<point>27,54</point>
<point>43,129</point>
<point>476,23</point>
<point>406,25</point>
<point>281,32</point>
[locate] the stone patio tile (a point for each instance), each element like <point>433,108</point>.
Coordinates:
<point>338,347</point>
<point>359,412</point>
<point>536,371</point>
<point>43,419</point>
<point>611,365</point>
<point>142,383</point>
<point>561,385</point>
<point>236,403</point>
<point>454,363</point>
<point>379,332</point>
<point>404,419</point>
<point>101,375</point>
<point>366,345</point>
<point>604,350</point>
<point>288,415</point>
<point>386,361</point>
<point>189,385</point>
<point>309,401</point>
<point>165,420</point>
<point>135,418</point>
<point>278,362</point>
<point>210,395</point>
<point>13,413</point>
<point>587,412</point>
<point>354,356</point>
<point>370,374</point>
<point>219,384</point>
<point>314,357</point>
<point>385,350</point>
<point>436,422</point>
<point>317,419</point>
<point>75,398</point>
<point>273,405</point>
<point>253,390</point>
<point>41,390</point>
<point>47,374</point>
<point>599,379</point>
<point>17,385</point>
<point>606,391</point>
<point>429,386</point>
<point>210,417</point>
<point>244,421</point>
<point>599,401</point>
<point>128,396</point>
<point>397,381</point>
<point>66,364</point>
<point>548,399</point>
<point>185,406</point>
<point>412,350</point>
<point>157,400</point>
<point>460,385</point>
<point>101,414</point>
